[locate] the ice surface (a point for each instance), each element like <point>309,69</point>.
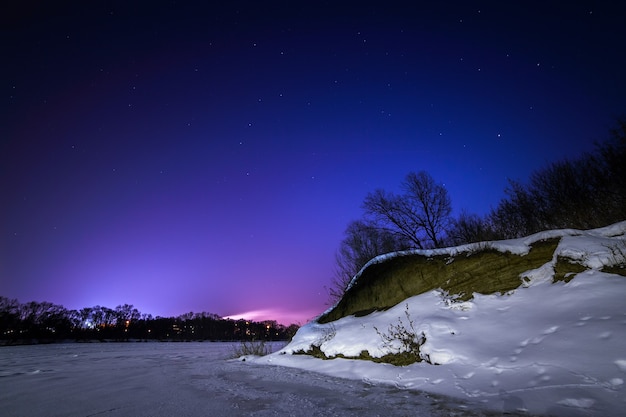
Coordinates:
<point>190,379</point>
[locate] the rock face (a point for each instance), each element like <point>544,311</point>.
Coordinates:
<point>485,268</point>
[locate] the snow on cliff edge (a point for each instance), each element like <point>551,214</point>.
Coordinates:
<point>546,348</point>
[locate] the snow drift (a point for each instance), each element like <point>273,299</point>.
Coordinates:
<point>555,345</point>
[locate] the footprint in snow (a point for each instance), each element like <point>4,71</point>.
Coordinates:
<point>577,402</point>
<point>551,330</point>
<point>621,364</point>
<point>490,362</point>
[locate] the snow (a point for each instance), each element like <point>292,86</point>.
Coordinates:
<point>190,379</point>
<point>546,348</point>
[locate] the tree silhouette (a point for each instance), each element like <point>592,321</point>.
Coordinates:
<point>36,322</point>
<point>417,218</point>
<point>362,242</point>
<point>420,215</point>
<point>583,193</point>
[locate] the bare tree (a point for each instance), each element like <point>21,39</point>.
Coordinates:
<point>421,214</point>
<point>516,215</point>
<point>9,315</point>
<point>565,195</point>
<point>362,242</point>
<point>469,228</point>
<point>85,315</point>
<point>418,218</point>
<point>125,314</point>
<point>610,162</point>
<point>583,193</point>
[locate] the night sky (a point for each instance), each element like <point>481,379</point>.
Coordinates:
<point>207,156</point>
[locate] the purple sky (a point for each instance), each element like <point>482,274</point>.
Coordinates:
<point>208,158</point>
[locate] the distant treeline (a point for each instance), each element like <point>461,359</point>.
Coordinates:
<point>44,322</point>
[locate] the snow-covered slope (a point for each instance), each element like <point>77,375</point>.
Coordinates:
<point>550,348</point>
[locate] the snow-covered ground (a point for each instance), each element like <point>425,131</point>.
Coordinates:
<point>190,379</point>
<point>545,348</point>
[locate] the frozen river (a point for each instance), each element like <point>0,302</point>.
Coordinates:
<point>189,379</point>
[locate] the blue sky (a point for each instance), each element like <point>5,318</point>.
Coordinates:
<point>194,157</point>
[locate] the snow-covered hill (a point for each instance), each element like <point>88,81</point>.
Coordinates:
<point>548,347</point>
